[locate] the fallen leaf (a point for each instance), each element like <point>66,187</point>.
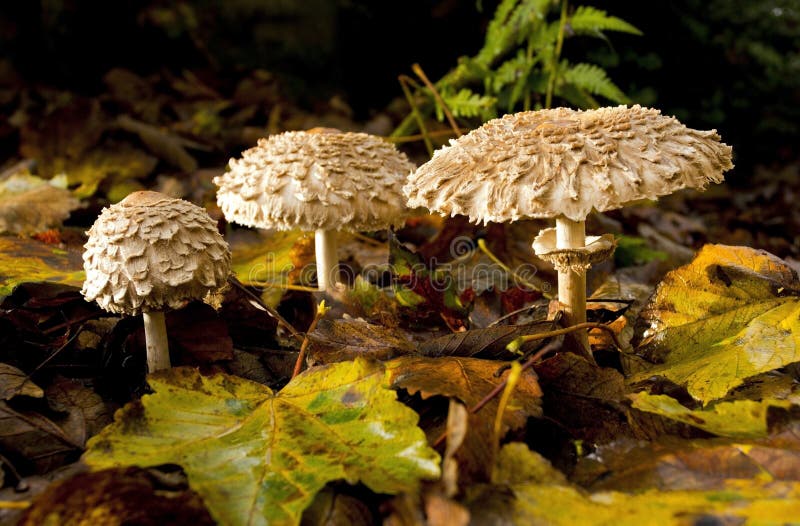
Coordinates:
<point>671,463</point>
<point>122,162</point>
<point>732,313</point>
<point>259,458</point>
<point>86,411</point>
<point>346,339</point>
<point>469,380</point>
<point>199,335</point>
<point>14,382</point>
<point>583,398</point>
<point>29,204</point>
<point>163,143</point>
<point>27,260</point>
<point>545,498</point>
<point>264,260</point>
<point>35,438</point>
<point>115,497</point>
<point>485,343</point>
<point>737,419</point>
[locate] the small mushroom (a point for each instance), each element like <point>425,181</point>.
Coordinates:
<point>320,180</point>
<point>149,253</point>
<point>562,163</point>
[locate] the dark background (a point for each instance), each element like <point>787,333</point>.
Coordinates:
<point>733,65</point>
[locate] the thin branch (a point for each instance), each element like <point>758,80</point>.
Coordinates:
<point>421,74</point>
<point>405,81</point>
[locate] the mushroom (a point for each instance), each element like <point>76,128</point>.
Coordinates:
<point>562,163</point>
<point>149,253</point>
<point>322,180</point>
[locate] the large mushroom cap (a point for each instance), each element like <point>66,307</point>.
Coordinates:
<point>150,252</point>
<point>565,162</point>
<point>311,180</point>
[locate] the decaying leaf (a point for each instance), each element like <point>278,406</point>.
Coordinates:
<point>121,162</point>
<point>86,411</point>
<point>469,380</point>
<point>27,260</point>
<point>544,498</point>
<point>14,382</point>
<point>259,458</point>
<point>737,419</point>
<point>732,313</point>
<point>264,260</point>
<point>163,143</point>
<point>115,497</point>
<point>346,339</point>
<point>29,204</point>
<point>671,463</point>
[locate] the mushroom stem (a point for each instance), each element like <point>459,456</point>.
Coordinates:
<point>325,246</point>
<point>155,336</point>
<point>572,282</point>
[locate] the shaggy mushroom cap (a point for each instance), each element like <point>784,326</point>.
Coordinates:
<point>318,179</point>
<point>561,161</point>
<point>150,252</point>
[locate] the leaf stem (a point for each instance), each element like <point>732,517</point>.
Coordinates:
<point>298,365</point>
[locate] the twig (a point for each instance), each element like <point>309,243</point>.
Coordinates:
<point>269,310</point>
<point>321,310</point>
<point>405,81</point>
<point>572,328</point>
<point>519,279</point>
<point>421,74</point>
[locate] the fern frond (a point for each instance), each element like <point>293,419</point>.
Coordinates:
<point>510,71</point>
<point>466,103</point>
<point>511,25</point>
<point>592,79</point>
<point>588,20</point>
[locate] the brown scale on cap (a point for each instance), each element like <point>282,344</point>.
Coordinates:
<point>565,162</point>
<point>321,179</point>
<point>150,252</point>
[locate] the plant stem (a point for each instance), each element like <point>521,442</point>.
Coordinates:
<point>421,74</point>
<point>572,282</point>
<point>325,246</point>
<point>304,346</point>
<point>551,81</point>
<point>404,82</point>
<point>155,336</point>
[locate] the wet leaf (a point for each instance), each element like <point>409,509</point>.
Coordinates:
<point>469,380</point>
<point>737,419</point>
<point>29,204</point>
<point>732,313</point>
<point>14,382</point>
<point>28,260</point>
<point>259,458</point>
<point>115,497</point>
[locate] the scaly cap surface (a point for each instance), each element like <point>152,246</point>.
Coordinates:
<point>317,179</point>
<point>565,162</point>
<point>150,252</point>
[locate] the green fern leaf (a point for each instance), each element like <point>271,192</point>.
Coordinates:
<point>466,103</point>
<point>512,23</point>
<point>588,20</point>
<point>592,79</point>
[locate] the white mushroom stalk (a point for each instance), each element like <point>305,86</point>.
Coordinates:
<point>322,180</point>
<point>561,163</point>
<point>326,248</point>
<point>150,253</point>
<point>572,281</point>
